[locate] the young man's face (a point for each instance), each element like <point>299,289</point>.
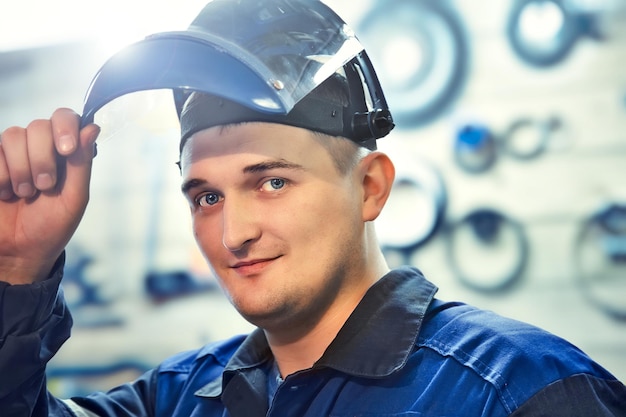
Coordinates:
<point>278,223</point>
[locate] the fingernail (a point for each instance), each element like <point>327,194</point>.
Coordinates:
<point>66,143</point>
<point>44,181</point>
<point>25,190</point>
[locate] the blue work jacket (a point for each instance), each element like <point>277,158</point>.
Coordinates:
<point>401,353</point>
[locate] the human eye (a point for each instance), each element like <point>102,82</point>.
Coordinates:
<point>207,199</point>
<point>273,184</point>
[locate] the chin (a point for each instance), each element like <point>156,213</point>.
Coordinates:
<point>265,318</point>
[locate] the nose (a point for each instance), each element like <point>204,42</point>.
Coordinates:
<point>240,225</point>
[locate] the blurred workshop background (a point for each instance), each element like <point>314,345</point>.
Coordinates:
<point>510,148</point>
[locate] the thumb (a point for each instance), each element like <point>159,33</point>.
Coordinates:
<point>79,162</point>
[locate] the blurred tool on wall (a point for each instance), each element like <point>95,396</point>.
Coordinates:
<point>423,57</point>
<point>599,258</point>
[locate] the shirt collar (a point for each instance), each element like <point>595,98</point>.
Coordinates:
<point>392,310</point>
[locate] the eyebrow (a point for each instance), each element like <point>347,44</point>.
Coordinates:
<point>192,183</point>
<point>250,169</point>
<point>269,165</point>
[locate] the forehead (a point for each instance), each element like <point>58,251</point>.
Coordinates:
<point>253,140</point>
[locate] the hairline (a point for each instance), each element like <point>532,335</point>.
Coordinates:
<point>345,153</point>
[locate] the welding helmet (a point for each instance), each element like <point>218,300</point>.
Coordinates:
<point>256,60</point>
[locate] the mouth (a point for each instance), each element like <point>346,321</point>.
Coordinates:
<point>252,266</point>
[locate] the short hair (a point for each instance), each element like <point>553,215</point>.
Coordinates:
<point>345,153</point>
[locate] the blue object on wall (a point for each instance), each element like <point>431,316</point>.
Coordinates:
<point>475,148</point>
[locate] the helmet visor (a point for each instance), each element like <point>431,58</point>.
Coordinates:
<point>266,55</point>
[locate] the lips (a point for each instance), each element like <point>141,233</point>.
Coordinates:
<point>253,266</point>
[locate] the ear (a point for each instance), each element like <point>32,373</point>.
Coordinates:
<point>377,175</point>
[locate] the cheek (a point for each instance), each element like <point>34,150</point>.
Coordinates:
<point>206,235</point>
<point>325,218</point>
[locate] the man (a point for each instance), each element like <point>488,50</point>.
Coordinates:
<point>283,182</point>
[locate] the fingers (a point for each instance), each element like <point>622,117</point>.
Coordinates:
<point>17,179</point>
<point>30,157</point>
<point>41,157</point>
<point>65,123</point>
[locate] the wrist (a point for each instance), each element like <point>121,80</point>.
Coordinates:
<point>19,271</point>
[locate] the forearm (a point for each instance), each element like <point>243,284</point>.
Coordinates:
<point>34,323</point>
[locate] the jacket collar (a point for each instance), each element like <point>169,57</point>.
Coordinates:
<point>393,309</point>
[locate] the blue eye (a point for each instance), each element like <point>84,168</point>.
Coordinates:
<point>208,199</point>
<point>274,184</point>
